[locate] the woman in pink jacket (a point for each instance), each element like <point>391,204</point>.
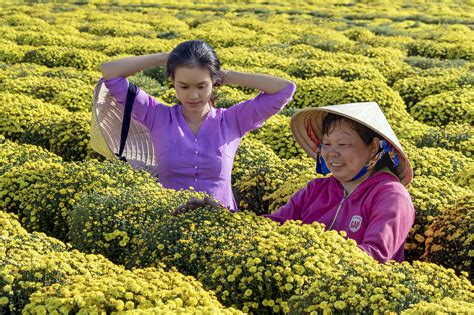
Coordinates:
<point>366,195</point>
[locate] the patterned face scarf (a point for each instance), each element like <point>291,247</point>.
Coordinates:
<point>387,148</point>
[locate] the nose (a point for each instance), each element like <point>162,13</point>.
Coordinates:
<point>193,94</point>
<point>332,151</point>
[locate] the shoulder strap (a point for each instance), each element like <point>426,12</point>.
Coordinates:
<point>131,93</point>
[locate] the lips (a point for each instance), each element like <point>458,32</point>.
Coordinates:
<point>194,104</point>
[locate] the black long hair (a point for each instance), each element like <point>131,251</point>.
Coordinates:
<point>194,53</point>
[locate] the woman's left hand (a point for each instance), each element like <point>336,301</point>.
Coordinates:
<point>194,203</point>
<point>223,77</point>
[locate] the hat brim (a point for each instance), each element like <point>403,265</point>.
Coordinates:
<point>106,126</point>
<point>314,117</point>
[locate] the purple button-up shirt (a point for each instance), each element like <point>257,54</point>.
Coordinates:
<point>202,161</point>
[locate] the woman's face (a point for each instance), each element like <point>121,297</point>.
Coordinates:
<point>193,88</point>
<point>345,152</point>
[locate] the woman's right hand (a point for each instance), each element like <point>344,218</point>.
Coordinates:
<point>194,203</point>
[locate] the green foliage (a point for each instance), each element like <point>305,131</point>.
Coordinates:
<point>227,96</point>
<point>148,84</point>
<point>10,52</point>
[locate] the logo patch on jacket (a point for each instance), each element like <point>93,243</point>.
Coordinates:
<point>355,224</point>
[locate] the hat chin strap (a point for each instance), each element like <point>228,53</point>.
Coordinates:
<point>321,167</point>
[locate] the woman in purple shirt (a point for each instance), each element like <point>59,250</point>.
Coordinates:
<point>195,143</point>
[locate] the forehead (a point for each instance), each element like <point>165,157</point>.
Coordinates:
<point>192,75</point>
<point>341,129</point>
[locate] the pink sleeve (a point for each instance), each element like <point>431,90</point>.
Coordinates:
<point>251,114</point>
<point>390,222</point>
<point>292,209</point>
<point>145,108</point>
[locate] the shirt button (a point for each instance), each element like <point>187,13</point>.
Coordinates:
<point>196,166</point>
<point>195,179</point>
<point>196,152</point>
<point>195,140</point>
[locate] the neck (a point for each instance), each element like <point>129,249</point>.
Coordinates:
<point>195,117</point>
<point>349,187</point>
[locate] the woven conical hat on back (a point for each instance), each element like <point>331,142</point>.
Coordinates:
<point>307,123</point>
<point>106,126</point>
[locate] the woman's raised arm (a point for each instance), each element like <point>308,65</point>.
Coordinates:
<point>263,82</point>
<point>130,65</point>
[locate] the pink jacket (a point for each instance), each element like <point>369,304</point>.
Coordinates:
<point>378,214</point>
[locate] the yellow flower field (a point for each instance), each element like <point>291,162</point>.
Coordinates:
<point>82,235</point>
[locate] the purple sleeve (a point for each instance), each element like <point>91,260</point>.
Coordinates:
<point>145,108</point>
<point>292,209</point>
<point>390,222</point>
<point>251,114</point>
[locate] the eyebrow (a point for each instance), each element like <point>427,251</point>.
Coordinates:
<point>203,82</point>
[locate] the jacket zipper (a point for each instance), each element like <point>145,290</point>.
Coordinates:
<point>338,208</point>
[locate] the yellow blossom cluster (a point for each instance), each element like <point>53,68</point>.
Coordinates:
<point>445,306</point>
<point>43,194</point>
<point>431,49</point>
<point>454,136</point>
<point>414,88</point>
<point>443,108</point>
<point>24,70</point>
<point>110,221</point>
<point>430,196</point>
<point>261,267</point>
<point>10,225</point>
<point>414,59</point>
<point>437,162</point>
<point>57,56</point>
<point>72,94</point>
<point>18,112</point>
<point>276,134</point>
<point>14,154</point>
<point>34,121</point>
<point>298,181</point>
<point>450,237</point>
<point>59,280</point>
<point>258,172</point>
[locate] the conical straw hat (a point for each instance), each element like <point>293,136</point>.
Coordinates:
<point>307,123</point>
<point>106,126</point>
